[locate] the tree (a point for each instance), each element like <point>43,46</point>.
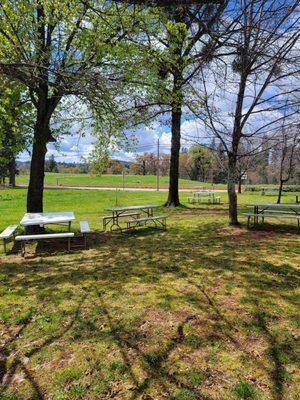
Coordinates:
<point>51,164</point>
<point>201,161</point>
<point>183,164</point>
<point>288,154</point>
<point>264,61</point>
<point>221,166</point>
<point>99,157</point>
<point>264,160</point>
<point>16,117</point>
<point>254,155</point>
<point>145,164</point>
<point>115,167</point>
<point>164,164</point>
<point>58,50</point>
<point>176,39</point>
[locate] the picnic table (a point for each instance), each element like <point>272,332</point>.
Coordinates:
<point>269,191</point>
<point>206,195</point>
<point>273,210</point>
<point>118,212</point>
<point>47,218</point>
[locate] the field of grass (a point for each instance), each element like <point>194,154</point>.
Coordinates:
<point>139,181</point>
<point>200,311</point>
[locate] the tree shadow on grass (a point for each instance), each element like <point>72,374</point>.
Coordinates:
<point>279,350</point>
<point>10,361</point>
<point>275,352</point>
<point>154,364</point>
<point>200,251</point>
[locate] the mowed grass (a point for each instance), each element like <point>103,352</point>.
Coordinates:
<point>138,181</point>
<point>200,311</point>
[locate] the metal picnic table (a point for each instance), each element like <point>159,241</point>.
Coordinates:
<point>260,208</point>
<point>205,194</point>
<point>118,212</point>
<point>45,218</point>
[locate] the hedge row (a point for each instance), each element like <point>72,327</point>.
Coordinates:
<point>288,188</point>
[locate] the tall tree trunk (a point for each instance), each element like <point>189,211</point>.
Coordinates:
<point>240,184</point>
<point>36,181</point>
<point>232,197</point>
<point>42,136</point>
<point>280,191</point>
<point>173,197</point>
<point>12,172</point>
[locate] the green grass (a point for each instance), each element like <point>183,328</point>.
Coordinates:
<point>147,181</point>
<point>201,311</point>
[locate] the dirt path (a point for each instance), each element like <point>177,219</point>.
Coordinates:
<point>130,189</point>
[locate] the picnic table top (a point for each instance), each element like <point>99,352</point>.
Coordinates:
<point>275,205</point>
<point>128,208</point>
<point>47,218</point>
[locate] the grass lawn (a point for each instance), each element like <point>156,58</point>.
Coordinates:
<point>139,181</point>
<point>200,311</point>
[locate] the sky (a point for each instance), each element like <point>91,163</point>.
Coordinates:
<point>74,148</point>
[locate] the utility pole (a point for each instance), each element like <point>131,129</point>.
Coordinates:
<point>123,179</point>
<point>157,168</point>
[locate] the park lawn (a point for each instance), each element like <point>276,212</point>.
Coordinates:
<point>200,311</point>
<point>136,181</point>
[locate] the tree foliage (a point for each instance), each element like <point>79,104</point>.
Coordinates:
<point>16,119</point>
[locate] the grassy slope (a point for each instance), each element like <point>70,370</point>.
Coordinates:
<point>111,180</point>
<point>201,311</point>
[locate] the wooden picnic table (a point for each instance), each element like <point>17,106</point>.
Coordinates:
<point>47,218</point>
<point>118,212</point>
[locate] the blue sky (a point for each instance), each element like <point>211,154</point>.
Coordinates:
<point>73,147</point>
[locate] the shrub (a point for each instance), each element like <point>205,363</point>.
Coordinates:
<point>287,188</point>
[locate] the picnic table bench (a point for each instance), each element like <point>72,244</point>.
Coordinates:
<point>273,210</point>
<point>7,234</point>
<point>159,220</point>
<point>85,230</point>
<point>45,236</point>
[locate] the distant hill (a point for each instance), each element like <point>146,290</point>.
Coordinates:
<point>67,167</point>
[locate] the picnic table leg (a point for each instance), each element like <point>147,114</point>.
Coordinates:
<point>69,227</point>
<point>115,221</point>
<point>105,222</point>
<point>248,222</point>
<point>4,246</point>
<point>23,248</point>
